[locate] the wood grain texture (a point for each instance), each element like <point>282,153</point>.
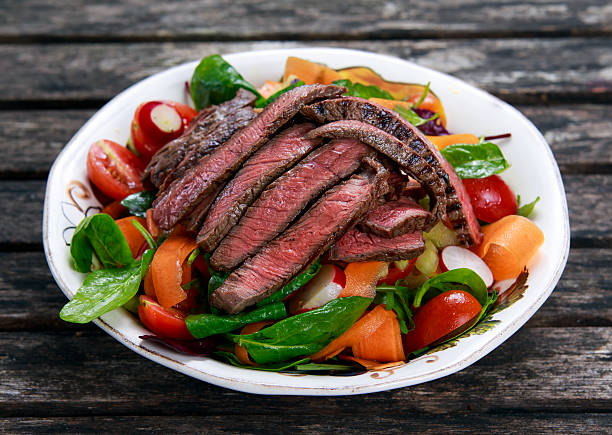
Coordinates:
<point>579,135</point>
<point>517,70</point>
<point>589,211</point>
<point>305,20</point>
<point>465,422</point>
<point>89,374</point>
<point>31,300</point>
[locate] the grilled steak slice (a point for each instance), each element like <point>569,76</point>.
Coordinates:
<point>286,197</point>
<point>212,126</point>
<point>458,206</point>
<point>194,220</point>
<point>298,246</point>
<point>393,148</point>
<point>359,246</point>
<point>272,159</point>
<point>394,218</point>
<point>203,179</point>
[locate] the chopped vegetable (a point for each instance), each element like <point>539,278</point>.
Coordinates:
<point>427,262</point>
<point>165,322</point>
<point>362,91</point>
<point>453,139</point>
<point>138,203</point>
<point>361,278</point>
<point>464,279</point>
<point>309,72</point>
<point>457,257</point>
<point>527,209</point>
<point>441,236</point>
<point>134,238</point>
<point>475,160</point>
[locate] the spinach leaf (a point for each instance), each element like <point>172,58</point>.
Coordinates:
<point>138,203</point>
<point>215,81</point>
<point>263,102</point>
<point>423,96</point>
<point>99,234</point>
<point>215,281</point>
<point>295,284</point>
<point>104,290</point>
<point>333,367</point>
<point>205,325</point>
<point>363,91</point>
<point>412,117</point>
<point>303,334</point>
<point>464,279</point>
<point>397,298</point>
<point>475,160</point>
<point>277,367</point>
<point>526,209</point>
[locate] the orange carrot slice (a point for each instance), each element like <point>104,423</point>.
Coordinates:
<point>309,72</point>
<point>453,139</point>
<point>361,278</point>
<point>131,234</point>
<point>509,244</point>
<point>167,269</point>
<point>149,288</point>
<point>384,344</point>
<point>152,227</point>
<point>114,209</point>
<point>269,88</point>
<point>240,352</point>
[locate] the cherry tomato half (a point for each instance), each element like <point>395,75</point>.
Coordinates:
<point>165,322</point>
<point>114,169</point>
<point>491,198</point>
<point>156,123</point>
<point>442,315</point>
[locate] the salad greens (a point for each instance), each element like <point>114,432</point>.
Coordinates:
<point>99,235</point>
<point>475,160</point>
<point>297,282</point>
<point>412,117</point>
<point>397,298</point>
<point>363,91</point>
<point>305,333</point>
<point>263,102</point>
<point>464,279</point>
<point>205,325</point>
<point>527,209</point>
<point>138,203</point>
<point>104,290</point>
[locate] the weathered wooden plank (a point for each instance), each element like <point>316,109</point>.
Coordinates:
<point>467,421</point>
<point>31,301</point>
<point>247,19</point>
<point>579,135</point>
<point>88,374</point>
<point>586,194</point>
<point>518,70</point>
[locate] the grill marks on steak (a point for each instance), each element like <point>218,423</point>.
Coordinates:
<point>286,197</point>
<point>458,206</point>
<point>299,245</point>
<point>356,245</point>
<point>394,218</point>
<point>280,153</point>
<point>393,148</point>
<point>183,195</point>
<point>213,126</point>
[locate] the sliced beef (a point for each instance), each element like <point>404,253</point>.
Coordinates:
<point>213,126</point>
<point>393,148</point>
<point>194,220</point>
<point>458,206</point>
<point>286,197</point>
<point>398,217</point>
<point>298,246</point>
<point>184,194</point>
<point>272,159</point>
<point>356,245</point>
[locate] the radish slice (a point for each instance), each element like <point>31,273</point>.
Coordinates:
<point>323,288</point>
<point>166,118</point>
<point>456,257</point>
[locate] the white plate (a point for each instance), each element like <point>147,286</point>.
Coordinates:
<point>534,172</point>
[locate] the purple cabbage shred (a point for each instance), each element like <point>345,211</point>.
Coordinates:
<point>433,127</point>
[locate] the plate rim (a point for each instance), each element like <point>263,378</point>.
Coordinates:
<point>273,388</point>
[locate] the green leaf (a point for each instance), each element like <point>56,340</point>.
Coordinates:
<point>423,95</point>
<point>363,91</point>
<point>397,298</point>
<point>475,160</point>
<point>99,234</point>
<point>205,325</point>
<point>138,203</point>
<point>527,209</point>
<point>278,367</point>
<point>296,283</point>
<point>412,117</point>
<point>216,279</point>
<point>303,334</point>
<point>215,81</point>
<point>464,279</point>
<point>263,102</point>
<point>147,235</point>
<point>104,290</point>
<point>337,367</point>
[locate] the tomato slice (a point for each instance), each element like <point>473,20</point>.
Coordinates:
<point>491,198</point>
<point>439,317</point>
<point>114,169</point>
<point>165,322</point>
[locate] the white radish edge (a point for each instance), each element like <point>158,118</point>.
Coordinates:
<point>322,288</point>
<point>456,257</point>
<point>166,118</point>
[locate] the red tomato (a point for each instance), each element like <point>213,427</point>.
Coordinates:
<point>114,169</point>
<point>439,317</point>
<point>491,198</point>
<point>156,123</point>
<point>165,322</point>
<point>396,273</point>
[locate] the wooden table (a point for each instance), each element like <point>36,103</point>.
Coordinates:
<point>60,61</point>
